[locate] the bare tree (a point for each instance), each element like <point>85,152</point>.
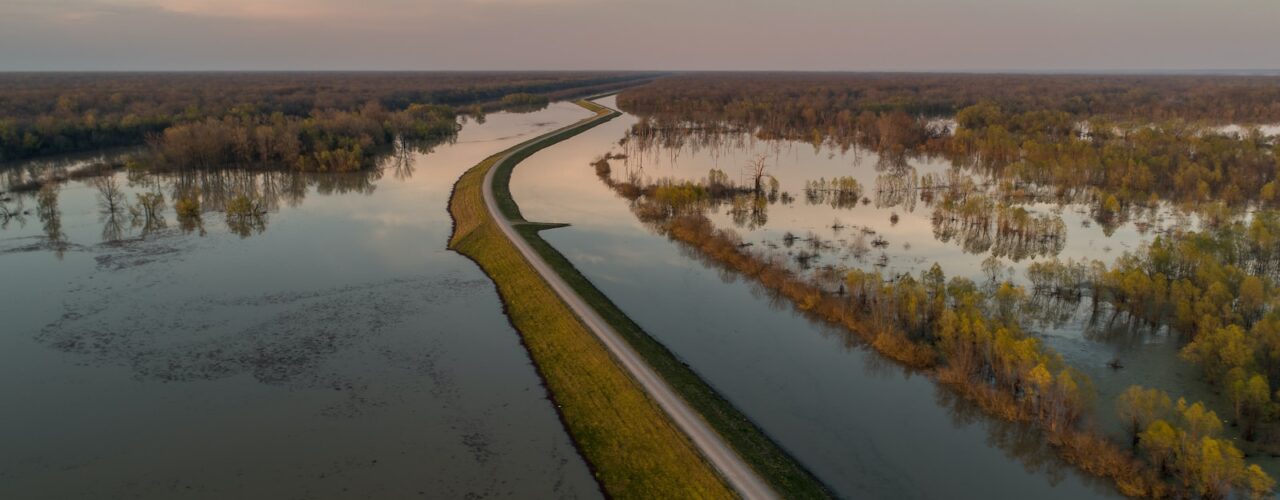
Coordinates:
<point>756,169</point>
<point>110,196</point>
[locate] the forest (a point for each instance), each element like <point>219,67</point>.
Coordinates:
<point>48,113</point>
<point>800,102</point>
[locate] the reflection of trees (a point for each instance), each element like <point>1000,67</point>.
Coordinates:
<point>1107,324</point>
<point>11,213</point>
<point>133,204</point>
<point>247,197</point>
<point>400,160</point>
<point>246,215</point>
<point>980,226</point>
<point>648,139</point>
<point>192,224</point>
<point>148,212</point>
<point>840,192</point>
<point>749,210</point>
<point>897,188</point>
<point>1018,441</point>
<point>51,218</point>
<point>1049,310</point>
<point>112,226</point>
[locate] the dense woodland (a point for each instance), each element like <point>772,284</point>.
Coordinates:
<point>325,141</point>
<point>800,102</point>
<point>46,113</point>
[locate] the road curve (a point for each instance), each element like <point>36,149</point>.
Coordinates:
<point>740,476</point>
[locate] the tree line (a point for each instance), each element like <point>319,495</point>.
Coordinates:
<point>802,102</point>
<point>46,113</point>
<point>325,141</point>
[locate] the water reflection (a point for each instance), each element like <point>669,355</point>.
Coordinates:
<point>51,219</point>
<point>134,203</point>
<point>971,205</point>
<point>338,347</point>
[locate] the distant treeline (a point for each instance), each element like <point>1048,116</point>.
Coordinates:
<point>325,141</point>
<point>47,113</point>
<point>808,100</point>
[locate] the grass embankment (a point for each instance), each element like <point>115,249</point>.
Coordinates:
<point>769,460</point>
<point>775,465</point>
<point>634,450</point>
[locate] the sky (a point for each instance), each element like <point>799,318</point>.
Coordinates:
<point>822,35</point>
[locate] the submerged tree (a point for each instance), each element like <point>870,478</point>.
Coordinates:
<point>756,169</point>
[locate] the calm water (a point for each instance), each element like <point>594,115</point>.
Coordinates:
<point>330,348</point>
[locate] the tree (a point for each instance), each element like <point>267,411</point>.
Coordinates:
<point>147,211</point>
<point>1140,407</point>
<point>1218,350</point>
<point>1252,297</point>
<point>1109,209</point>
<point>1257,484</point>
<point>756,169</point>
<point>1217,465</point>
<point>1198,421</point>
<point>1159,442</point>
<point>1256,401</point>
<point>1040,381</point>
<point>110,196</point>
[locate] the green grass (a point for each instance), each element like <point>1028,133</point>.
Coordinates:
<point>774,464</point>
<point>633,449</point>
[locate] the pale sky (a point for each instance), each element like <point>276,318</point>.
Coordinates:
<point>867,35</point>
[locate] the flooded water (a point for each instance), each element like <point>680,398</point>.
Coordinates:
<point>325,345</point>
<point>866,427</point>
<point>891,221</point>
<point>892,217</point>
